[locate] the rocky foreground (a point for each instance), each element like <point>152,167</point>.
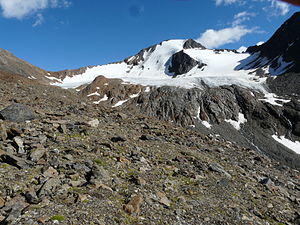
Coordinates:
<point>64,160</point>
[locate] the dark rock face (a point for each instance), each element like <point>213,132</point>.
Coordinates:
<point>182,63</point>
<point>283,45</point>
<point>215,105</point>
<point>190,43</point>
<point>17,113</point>
<point>286,84</point>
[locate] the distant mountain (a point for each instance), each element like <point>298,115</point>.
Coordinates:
<point>280,53</point>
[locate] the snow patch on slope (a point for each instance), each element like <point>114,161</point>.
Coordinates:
<point>273,99</point>
<point>237,124</point>
<point>295,146</point>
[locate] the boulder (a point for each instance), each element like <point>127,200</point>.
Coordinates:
<point>17,113</point>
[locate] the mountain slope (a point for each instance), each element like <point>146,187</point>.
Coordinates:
<point>280,53</point>
<point>12,64</point>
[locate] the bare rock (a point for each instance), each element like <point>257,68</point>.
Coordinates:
<point>17,113</point>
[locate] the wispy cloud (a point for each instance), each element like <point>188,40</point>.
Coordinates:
<point>242,17</point>
<point>39,20</point>
<point>277,7</point>
<point>227,2</point>
<point>21,8</point>
<point>272,7</point>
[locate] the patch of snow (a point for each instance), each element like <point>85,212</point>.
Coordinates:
<point>198,113</point>
<point>106,84</point>
<point>242,49</point>
<point>147,89</point>
<point>260,43</point>
<point>105,98</point>
<point>273,99</point>
<point>120,103</point>
<point>32,77</point>
<point>237,124</point>
<point>54,79</point>
<point>97,88</point>
<point>206,124</point>
<point>295,146</point>
<point>93,94</point>
<point>266,69</point>
<point>134,95</point>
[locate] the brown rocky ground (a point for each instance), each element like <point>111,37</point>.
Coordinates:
<point>79,163</point>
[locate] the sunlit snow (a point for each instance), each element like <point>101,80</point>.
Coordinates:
<point>273,99</point>
<point>105,98</point>
<point>237,124</point>
<point>206,124</point>
<point>153,70</point>
<point>120,103</point>
<point>295,146</point>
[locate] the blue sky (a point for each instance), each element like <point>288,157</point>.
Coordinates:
<point>68,34</point>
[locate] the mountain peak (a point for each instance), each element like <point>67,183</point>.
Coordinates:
<point>190,43</point>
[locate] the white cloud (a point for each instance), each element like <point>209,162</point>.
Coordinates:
<point>21,8</point>
<point>226,2</point>
<point>216,38</point>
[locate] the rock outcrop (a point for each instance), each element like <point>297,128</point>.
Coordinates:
<point>182,63</point>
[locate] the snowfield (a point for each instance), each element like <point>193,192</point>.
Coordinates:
<point>153,70</point>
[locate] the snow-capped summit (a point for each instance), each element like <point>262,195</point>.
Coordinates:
<point>183,63</point>
<point>281,52</point>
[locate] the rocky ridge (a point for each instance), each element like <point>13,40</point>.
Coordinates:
<point>280,53</point>
<point>75,162</point>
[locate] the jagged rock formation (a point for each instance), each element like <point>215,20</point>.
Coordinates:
<point>280,52</point>
<point>135,60</point>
